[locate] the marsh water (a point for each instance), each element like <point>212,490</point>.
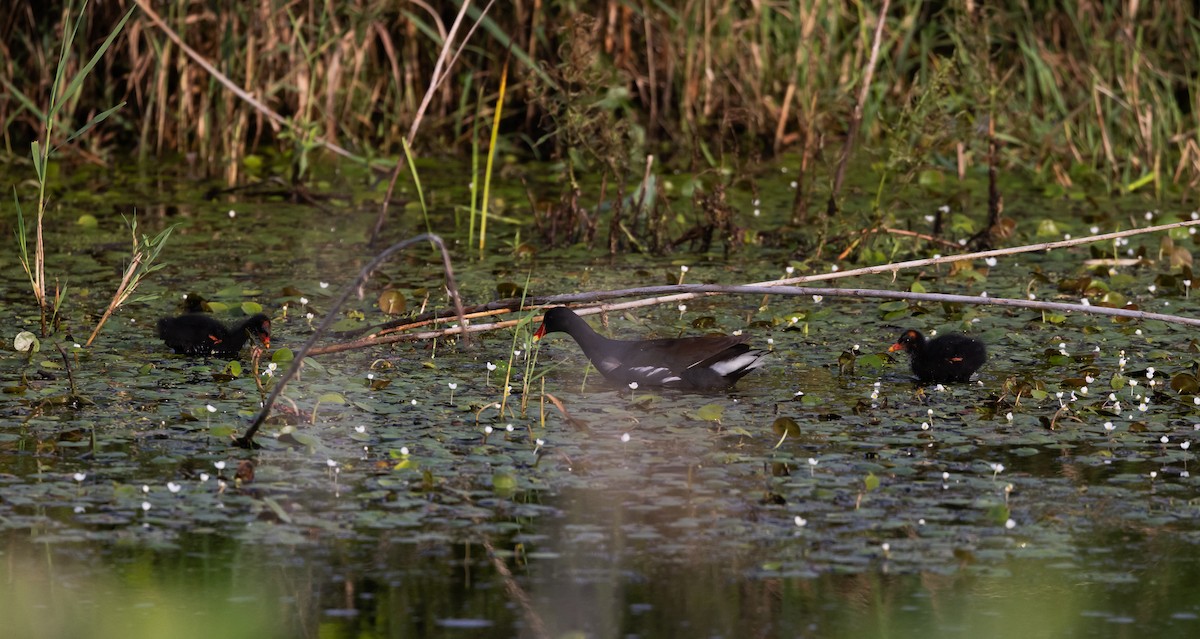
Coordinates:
<point>827,495</point>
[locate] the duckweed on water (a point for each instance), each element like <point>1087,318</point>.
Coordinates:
<point>406,487</point>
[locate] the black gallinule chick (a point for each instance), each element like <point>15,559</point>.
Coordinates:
<point>200,334</point>
<point>947,358</point>
<point>692,363</point>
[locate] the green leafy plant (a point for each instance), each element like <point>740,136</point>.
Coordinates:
<point>145,252</point>
<point>42,148</point>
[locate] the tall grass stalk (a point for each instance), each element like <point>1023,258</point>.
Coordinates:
<point>474,170</point>
<point>491,157</point>
<point>412,168</point>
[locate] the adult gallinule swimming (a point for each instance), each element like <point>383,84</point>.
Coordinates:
<point>694,363</point>
<point>201,334</point>
<point>947,358</point>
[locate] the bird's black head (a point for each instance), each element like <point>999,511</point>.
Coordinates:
<point>910,341</point>
<point>259,327</point>
<point>555,320</point>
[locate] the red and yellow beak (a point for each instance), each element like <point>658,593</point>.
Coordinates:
<point>540,332</point>
<point>896,347</point>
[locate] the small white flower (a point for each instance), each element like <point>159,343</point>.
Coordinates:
<point>210,408</point>
<point>304,301</point>
<point>1009,416</point>
<point>683,268</point>
<point>991,261</point>
<point>413,402</point>
<point>487,430</point>
<point>232,214</point>
<point>146,506</point>
<point>508,427</point>
<point>173,487</point>
<point>1185,445</point>
<point>625,438</point>
<point>1164,439</point>
<point>633,385</point>
<point>1010,524</point>
<point>800,521</point>
<point>789,270</point>
<point>324,284</point>
<point>203,477</point>
<point>360,429</point>
<point>491,367</point>
<point>79,476</point>
<point>330,463</point>
<point>404,450</point>
<point>945,476</point>
<point>1108,426</point>
<point>818,298</point>
<point>683,308</point>
<point>219,465</point>
<point>452,385</point>
<point>812,461</point>
<point>1153,474</point>
<point>145,488</point>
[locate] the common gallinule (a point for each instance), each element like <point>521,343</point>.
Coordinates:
<point>947,358</point>
<point>201,334</point>
<point>694,363</point>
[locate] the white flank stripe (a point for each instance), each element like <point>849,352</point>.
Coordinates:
<point>749,361</point>
<point>651,373</point>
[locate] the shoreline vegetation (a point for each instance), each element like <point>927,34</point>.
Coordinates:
<point>1098,91</point>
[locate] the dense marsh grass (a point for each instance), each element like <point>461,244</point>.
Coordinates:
<point>1084,89</point>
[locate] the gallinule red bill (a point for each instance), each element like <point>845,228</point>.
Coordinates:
<point>947,358</point>
<point>200,334</point>
<point>691,363</point>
